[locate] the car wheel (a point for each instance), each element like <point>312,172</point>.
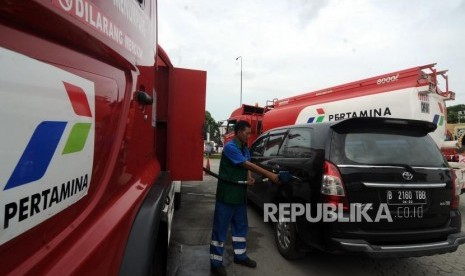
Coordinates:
<point>287,240</point>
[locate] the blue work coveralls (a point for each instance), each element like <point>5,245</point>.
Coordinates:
<point>231,204</point>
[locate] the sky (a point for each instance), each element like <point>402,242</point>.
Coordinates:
<point>291,47</point>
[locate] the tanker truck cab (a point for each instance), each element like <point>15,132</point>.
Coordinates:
<point>252,114</point>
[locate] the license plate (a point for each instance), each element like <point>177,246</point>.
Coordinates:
<point>406,197</point>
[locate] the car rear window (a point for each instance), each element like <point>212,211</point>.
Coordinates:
<point>387,148</point>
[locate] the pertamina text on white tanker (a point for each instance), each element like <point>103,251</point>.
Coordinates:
<point>375,112</point>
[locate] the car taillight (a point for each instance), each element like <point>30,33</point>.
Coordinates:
<point>455,192</point>
<point>332,187</point>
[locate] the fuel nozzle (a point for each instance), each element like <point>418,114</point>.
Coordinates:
<point>284,176</point>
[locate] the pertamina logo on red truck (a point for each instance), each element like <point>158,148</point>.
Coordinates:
<point>49,146</point>
<point>43,144</point>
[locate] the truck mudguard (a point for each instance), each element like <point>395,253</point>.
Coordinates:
<point>139,251</point>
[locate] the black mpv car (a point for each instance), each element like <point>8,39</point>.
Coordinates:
<point>374,162</point>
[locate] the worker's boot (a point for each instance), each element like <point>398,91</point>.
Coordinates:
<point>247,262</point>
<point>218,270</point>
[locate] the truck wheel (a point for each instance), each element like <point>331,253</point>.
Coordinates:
<point>287,240</point>
<point>177,201</point>
<point>160,257</point>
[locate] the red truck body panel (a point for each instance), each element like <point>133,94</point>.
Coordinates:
<point>185,94</point>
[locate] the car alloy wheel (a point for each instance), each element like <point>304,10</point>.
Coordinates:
<point>287,241</point>
<point>283,232</point>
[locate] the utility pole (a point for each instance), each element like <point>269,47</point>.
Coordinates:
<point>240,57</point>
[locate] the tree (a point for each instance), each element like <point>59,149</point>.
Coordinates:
<point>452,114</point>
<point>212,127</point>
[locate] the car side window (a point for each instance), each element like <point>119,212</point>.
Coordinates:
<point>258,147</point>
<point>298,143</point>
<point>274,143</point>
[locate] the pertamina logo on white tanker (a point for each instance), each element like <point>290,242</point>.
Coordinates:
<point>403,103</point>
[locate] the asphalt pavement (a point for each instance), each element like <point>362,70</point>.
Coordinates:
<point>190,243</point>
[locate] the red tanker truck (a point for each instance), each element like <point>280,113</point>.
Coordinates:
<point>412,93</point>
